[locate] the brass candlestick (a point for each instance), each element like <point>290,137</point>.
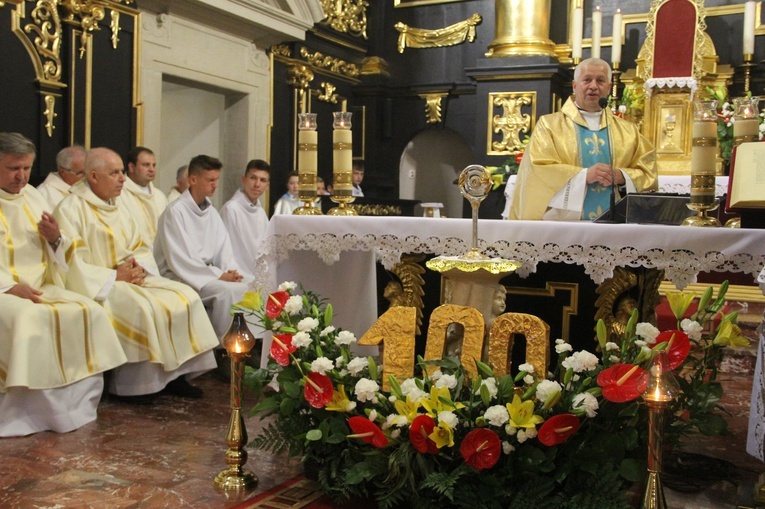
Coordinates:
<point>615,73</point>
<point>238,342</point>
<point>747,65</point>
<point>661,389</point>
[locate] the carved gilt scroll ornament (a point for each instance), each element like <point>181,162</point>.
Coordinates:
<point>346,16</point>
<point>410,37</point>
<point>512,122</point>
<point>433,107</point>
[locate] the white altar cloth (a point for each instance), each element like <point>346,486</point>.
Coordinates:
<point>335,256</point>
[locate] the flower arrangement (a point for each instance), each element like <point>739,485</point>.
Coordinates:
<point>500,174</point>
<point>574,437</point>
<point>725,121</point>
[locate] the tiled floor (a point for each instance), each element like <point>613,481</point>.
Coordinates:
<point>166,455</point>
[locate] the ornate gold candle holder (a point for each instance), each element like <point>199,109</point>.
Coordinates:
<point>703,156</point>
<point>660,389</point>
<point>747,67</point>
<point>238,342</point>
<point>342,159</point>
<point>307,164</point>
<point>615,74</point>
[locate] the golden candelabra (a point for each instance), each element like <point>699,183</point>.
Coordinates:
<point>661,389</point>
<point>238,342</point>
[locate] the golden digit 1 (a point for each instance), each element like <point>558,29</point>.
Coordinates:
<point>396,330</point>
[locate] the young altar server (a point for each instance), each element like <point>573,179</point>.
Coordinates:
<point>140,197</point>
<point>70,162</point>
<point>54,344</point>
<point>193,246</point>
<point>244,217</point>
<point>289,200</point>
<point>161,324</point>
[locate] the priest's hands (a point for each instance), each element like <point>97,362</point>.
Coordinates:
<point>231,276</point>
<point>25,292</point>
<point>48,228</point>
<point>131,272</point>
<point>601,173</point>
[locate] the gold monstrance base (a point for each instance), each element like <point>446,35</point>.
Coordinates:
<point>342,208</point>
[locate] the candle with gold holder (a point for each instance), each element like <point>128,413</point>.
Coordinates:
<point>597,31</point>
<point>307,164</point>
<point>577,27</point>
<point>660,388</point>
<point>616,54</point>
<point>703,160</point>
<point>238,342</point>
<point>746,120</point>
<point>342,161</point>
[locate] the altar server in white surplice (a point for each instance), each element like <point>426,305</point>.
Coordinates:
<point>193,246</point>
<point>289,200</point>
<point>54,344</point>
<point>161,324</point>
<point>71,169</point>
<point>144,201</point>
<point>245,219</point>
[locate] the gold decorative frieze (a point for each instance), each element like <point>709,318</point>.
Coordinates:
<point>346,16</point>
<point>410,37</point>
<point>336,65</point>
<point>114,24</point>
<point>327,93</point>
<point>281,50</point>
<point>49,113</point>
<point>511,123</point>
<point>89,14</point>
<point>433,106</point>
<point>299,76</point>
<point>374,65</point>
<point>45,49</point>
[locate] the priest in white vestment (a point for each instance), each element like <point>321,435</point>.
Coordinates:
<point>70,162</point>
<point>144,201</point>
<point>161,324</point>
<point>54,344</point>
<point>181,183</point>
<point>244,217</point>
<point>193,246</point>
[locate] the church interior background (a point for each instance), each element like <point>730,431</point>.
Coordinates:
<point>433,85</point>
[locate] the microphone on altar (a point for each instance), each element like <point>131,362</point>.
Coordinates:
<point>603,103</point>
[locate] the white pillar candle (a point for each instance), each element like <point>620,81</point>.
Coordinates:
<point>749,22</point>
<point>342,154</point>
<point>577,25</point>
<point>616,46</point>
<point>597,29</point>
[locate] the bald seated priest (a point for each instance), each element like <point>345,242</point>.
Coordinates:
<point>54,344</point>
<point>566,171</point>
<point>162,324</point>
<point>70,162</point>
<point>140,197</point>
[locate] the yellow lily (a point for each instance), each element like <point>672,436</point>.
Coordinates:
<point>407,408</point>
<point>251,300</point>
<point>339,402</point>
<point>434,405</point>
<point>729,334</point>
<point>442,435</point>
<point>522,413</point>
<point>679,302</point>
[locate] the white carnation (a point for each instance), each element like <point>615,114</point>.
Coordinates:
<point>307,324</point>
<point>692,327</point>
<point>322,365</point>
<point>294,304</point>
<point>287,286</point>
<point>531,432</point>
<point>510,429</point>
<point>357,365</point>
<point>449,418</point>
<point>326,331</point>
<point>528,368</point>
<point>339,362</point>
<point>614,358</point>
<point>497,415</point>
<point>416,395</point>
<point>611,346</point>
<point>580,361</point>
<point>491,385</point>
<point>547,388</point>
<point>301,339</point>
<point>395,433</point>
<point>345,338</point>
<point>528,379</point>
<point>373,415</point>
<point>647,332</point>
<point>507,447</point>
<point>521,436</point>
<point>448,381</point>
<point>587,402</point>
<point>563,347</point>
<point>366,390</point>
<point>407,386</point>
<point>436,375</point>
<point>640,343</point>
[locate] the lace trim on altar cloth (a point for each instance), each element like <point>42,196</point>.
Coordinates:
<point>755,440</point>
<point>673,187</point>
<point>684,82</point>
<point>681,266</point>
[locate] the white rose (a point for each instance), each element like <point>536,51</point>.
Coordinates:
<point>301,339</point>
<point>647,332</point>
<point>322,365</point>
<point>366,390</point>
<point>357,365</point>
<point>497,415</point>
<point>307,324</point>
<point>294,304</point>
<point>345,338</point>
<point>547,388</point>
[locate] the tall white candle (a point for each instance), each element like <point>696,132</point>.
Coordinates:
<point>749,22</point>
<point>616,46</point>
<point>577,24</point>
<point>597,30</point>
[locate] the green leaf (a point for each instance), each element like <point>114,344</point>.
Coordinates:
<point>314,435</point>
<point>631,470</point>
<point>291,389</point>
<point>328,315</point>
<point>372,368</point>
<point>265,406</point>
<point>484,369</point>
<point>712,424</point>
<point>485,396</point>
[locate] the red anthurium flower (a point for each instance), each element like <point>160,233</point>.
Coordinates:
<point>481,448</point>
<point>558,428</point>
<point>275,304</point>
<point>318,390</point>
<point>421,427</point>
<point>281,348</point>
<point>678,348</point>
<point>367,431</point>
<point>518,157</point>
<point>620,382</point>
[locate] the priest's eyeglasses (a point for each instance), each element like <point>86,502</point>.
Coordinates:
<point>78,174</point>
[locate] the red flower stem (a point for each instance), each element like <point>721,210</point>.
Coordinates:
<point>313,384</point>
<point>626,376</point>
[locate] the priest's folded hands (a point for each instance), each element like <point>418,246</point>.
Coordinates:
<point>131,272</point>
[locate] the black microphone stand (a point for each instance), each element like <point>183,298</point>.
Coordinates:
<point>603,103</point>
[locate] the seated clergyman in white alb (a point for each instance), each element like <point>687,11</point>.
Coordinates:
<point>54,344</point>
<point>181,183</point>
<point>70,162</point>
<point>192,245</point>
<point>245,219</point>
<point>144,201</point>
<point>161,324</point>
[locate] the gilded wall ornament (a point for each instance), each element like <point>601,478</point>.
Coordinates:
<point>114,24</point>
<point>89,14</point>
<point>50,113</point>
<point>46,27</point>
<point>299,76</point>
<point>433,106</point>
<point>327,93</point>
<point>627,290</point>
<point>408,289</point>
<point>281,50</point>
<point>512,122</point>
<point>346,16</point>
<point>336,65</point>
<point>410,37</point>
